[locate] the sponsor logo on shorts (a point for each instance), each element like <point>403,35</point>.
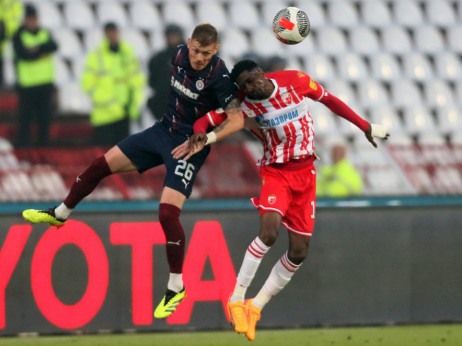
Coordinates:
<point>271,199</point>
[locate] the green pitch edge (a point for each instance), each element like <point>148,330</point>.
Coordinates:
<point>241,204</point>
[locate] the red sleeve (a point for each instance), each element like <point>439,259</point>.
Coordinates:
<point>212,118</point>
<point>341,109</point>
<point>304,85</point>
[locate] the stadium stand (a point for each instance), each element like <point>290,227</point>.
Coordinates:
<point>398,63</point>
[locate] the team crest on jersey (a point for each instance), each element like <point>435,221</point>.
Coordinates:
<point>200,84</point>
<point>271,199</point>
<point>287,98</point>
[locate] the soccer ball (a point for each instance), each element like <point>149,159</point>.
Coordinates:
<point>291,25</point>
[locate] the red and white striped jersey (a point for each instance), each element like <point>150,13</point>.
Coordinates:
<point>282,122</point>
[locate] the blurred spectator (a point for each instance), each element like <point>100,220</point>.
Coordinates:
<point>11,12</point>
<point>160,71</point>
<point>33,48</point>
<point>340,179</point>
<point>115,84</point>
<point>274,63</point>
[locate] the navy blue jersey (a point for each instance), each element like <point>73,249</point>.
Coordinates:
<point>194,93</point>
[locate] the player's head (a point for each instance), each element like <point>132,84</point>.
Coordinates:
<point>250,78</point>
<point>203,45</point>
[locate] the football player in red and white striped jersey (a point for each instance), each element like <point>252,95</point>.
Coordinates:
<point>276,112</point>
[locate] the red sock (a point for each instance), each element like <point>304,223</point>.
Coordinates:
<point>87,181</point>
<point>169,217</point>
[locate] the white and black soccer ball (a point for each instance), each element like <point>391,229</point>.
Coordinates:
<point>291,25</point>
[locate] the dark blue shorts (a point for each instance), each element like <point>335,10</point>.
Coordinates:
<point>153,146</point>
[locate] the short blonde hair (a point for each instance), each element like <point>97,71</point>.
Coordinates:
<point>205,34</point>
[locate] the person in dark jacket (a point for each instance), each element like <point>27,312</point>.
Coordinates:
<point>160,71</point>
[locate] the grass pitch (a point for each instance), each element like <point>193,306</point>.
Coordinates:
<point>430,335</point>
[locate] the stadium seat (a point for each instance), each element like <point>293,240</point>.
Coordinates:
<point>456,138</point>
<point>213,13</point>
<point>143,15</point>
<point>139,43</point>
<point>263,42</point>
<point>448,66</point>
<point>179,13</point>
<point>293,63</point>
<point>314,11</point>
<point>85,19</point>
<point>9,72</point>
<point>78,66</point>
<point>62,73</point>
<point>320,67</point>
<point>92,37</point>
<point>157,40</point>
<point>439,13</point>
<point>68,42</point>
<point>49,14</point>
<point>437,93</point>
<point>449,118</point>
<point>385,67</point>
<point>342,14</point>
<point>351,67</point>
<point>270,8</point>
<point>244,15</point>
<point>388,117</point>
<point>343,90</point>
<point>111,12</point>
<point>323,119</point>
<point>364,40</point>
<point>331,41</point>
<point>405,93</point>
<point>372,93</point>
<point>349,129</point>
<point>234,43</point>
<point>431,138</point>
<point>302,49</point>
<point>400,139</point>
<point>428,39</point>
<point>454,33</point>
<point>396,40</point>
<point>375,14</point>
<point>71,99</point>
<point>417,67</point>
<point>407,13</point>
<point>458,91</point>
<point>418,120</point>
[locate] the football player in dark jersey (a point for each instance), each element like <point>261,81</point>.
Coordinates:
<point>200,83</point>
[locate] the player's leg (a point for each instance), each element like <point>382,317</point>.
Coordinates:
<point>171,203</point>
<point>270,223</point>
<point>273,202</point>
<point>114,161</point>
<point>178,184</point>
<point>299,220</point>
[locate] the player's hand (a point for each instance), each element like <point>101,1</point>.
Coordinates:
<point>195,144</point>
<point>376,130</point>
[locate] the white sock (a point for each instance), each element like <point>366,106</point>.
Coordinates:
<point>62,212</point>
<point>252,259</point>
<point>279,277</point>
<point>175,282</point>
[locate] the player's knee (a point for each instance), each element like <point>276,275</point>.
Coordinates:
<point>297,254</point>
<point>268,235</point>
<point>168,213</point>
